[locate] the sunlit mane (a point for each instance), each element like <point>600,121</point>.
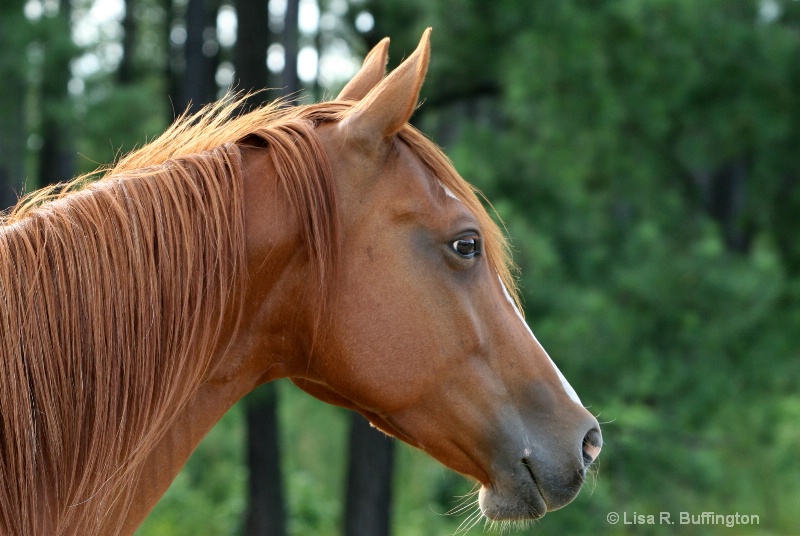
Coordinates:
<point>113,293</point>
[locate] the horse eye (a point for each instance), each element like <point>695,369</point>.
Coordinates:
<point>467,247</point>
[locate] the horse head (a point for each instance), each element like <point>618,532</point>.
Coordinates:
<point>423,335</point>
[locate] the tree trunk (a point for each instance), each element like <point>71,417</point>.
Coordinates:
<point>12,136</point>
<point>125,71</point>
<point>171,71</point>
<point>211,50</point>
<point>252,42</point>
<point>725,201</point>
<point>12,142</point>
<point>787,223</point>
<point>57,156</point>
<point>13,88</point>
<point>369,480</point>
<point>291,48</point>
<point>199,74</point>
<point>266,513</point>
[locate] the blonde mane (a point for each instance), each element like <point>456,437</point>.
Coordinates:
<point>114,291</point>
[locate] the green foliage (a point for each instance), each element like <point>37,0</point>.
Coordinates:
<point>613,118</point>
<point>208,496</point>
<point>15,33</point>
<point>107,131</point>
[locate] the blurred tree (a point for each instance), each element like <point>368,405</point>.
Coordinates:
<point>57,154</point>
<point>368,499</point>
<point>199,86</point>
<point>266,508</point>
<point>173,62</point>
<point>125,72</point>
<point>252,42</point>
<point>14,37</point>
<point>266,511</point>
<point>291,49</point>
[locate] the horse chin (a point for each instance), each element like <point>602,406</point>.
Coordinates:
<point>528,490</point>
<point>519,500</point>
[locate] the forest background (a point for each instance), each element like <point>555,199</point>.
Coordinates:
<point>644,157</point>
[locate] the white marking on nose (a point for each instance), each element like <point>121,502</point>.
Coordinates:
<point>448,191</point>
<point>564,383</point>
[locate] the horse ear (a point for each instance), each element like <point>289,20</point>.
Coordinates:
<point>390,104</point>
<point>371,72</point>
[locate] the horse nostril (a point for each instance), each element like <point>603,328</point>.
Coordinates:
<point>592,443</point>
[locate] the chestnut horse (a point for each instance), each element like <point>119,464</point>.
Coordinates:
<point>331,244</point>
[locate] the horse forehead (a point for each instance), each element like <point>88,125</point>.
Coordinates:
<point>440,195</point>
<point>427,201</point>
<point>411,167</point>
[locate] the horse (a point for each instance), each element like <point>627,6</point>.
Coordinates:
<point>330,243</point>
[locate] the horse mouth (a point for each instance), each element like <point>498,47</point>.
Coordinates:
<point>527,464</point>
<point>519,499</point>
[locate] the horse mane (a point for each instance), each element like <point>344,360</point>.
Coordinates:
<point>114,289</point>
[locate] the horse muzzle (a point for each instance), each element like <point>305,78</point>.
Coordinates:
<point>540,479</point>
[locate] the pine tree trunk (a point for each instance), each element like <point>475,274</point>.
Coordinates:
<point>726,200</point>
<point>291,47</point>
<point>199,74</point>
<point>170,73</point>
<point>57,156</point>
<point>125,71</point>
<point>250,54</point>
<point>12,138</point>
<point>12,103</point>
<point>266,513</point>
<point>369,481</point>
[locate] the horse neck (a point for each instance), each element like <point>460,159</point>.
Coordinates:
<point>97,264</point>
<point>270,341</point>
